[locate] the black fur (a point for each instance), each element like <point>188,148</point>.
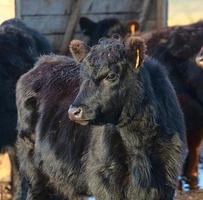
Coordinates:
<point>18,53</point>
<point>51,149</point>
<point>137,155</point>
<point>41,43</point>
<point>177,53</point>
<point>147,124</point>
<point>175,47</point>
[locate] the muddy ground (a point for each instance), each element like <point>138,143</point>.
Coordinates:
<point>193,195</point>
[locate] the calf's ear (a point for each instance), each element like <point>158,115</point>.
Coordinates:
<point>136,48</point>
<point>87,26</point>
<point>78,50</point>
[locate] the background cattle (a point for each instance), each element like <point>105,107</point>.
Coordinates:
<point>44,95</point>
<point>176,48</point>
<point>177,52</point>
<point>41,43</point>
<point>105,28</point>
<point>58,155</point>
<point>20,47</point>
<point>185,41</point>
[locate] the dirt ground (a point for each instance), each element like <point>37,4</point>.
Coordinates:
<point>192,195</point>
<point>5,179</point>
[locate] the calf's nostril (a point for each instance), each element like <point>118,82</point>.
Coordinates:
<point>78,112</point>
<point>75,113</point>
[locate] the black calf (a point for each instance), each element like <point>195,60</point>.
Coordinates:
<point>135,149</point>
<point>139,154</point>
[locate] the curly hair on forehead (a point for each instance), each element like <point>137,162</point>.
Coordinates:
<point>107,51</point>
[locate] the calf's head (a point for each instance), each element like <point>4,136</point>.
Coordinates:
<point>109,71</point>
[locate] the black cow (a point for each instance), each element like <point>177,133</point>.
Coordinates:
<point>185,41</point>
<point>51,149</point>
<point>137,155</point>
<point>18,53</point>
<point>106,160</point>
<point>175,47</point>
<point>41,43</point>
<point>105,28</point>
<point>176,53</point>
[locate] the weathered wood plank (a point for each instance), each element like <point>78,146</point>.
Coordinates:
<point>47,24</point>
<point>45,7</point>
<point>113,6</point>
<point>71,25</point>
<point>150,25</point>
<point>56,39</point>
<point>57,24</point>
<point>121,16</point>
<point>145,13</point>
<point>61,7</point>
<point>153,11</point>
<point>18,9</point>
<point>51,16</point>
<point>162,13</point>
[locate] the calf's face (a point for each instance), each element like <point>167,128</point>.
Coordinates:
<point>107,71</point>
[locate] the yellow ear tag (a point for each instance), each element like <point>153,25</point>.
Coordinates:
<point>132,28</point>
<point>137,58</point>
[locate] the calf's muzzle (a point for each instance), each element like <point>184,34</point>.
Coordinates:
<point>75,113</point>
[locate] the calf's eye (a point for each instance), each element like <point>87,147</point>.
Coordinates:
<point>111,77</point>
